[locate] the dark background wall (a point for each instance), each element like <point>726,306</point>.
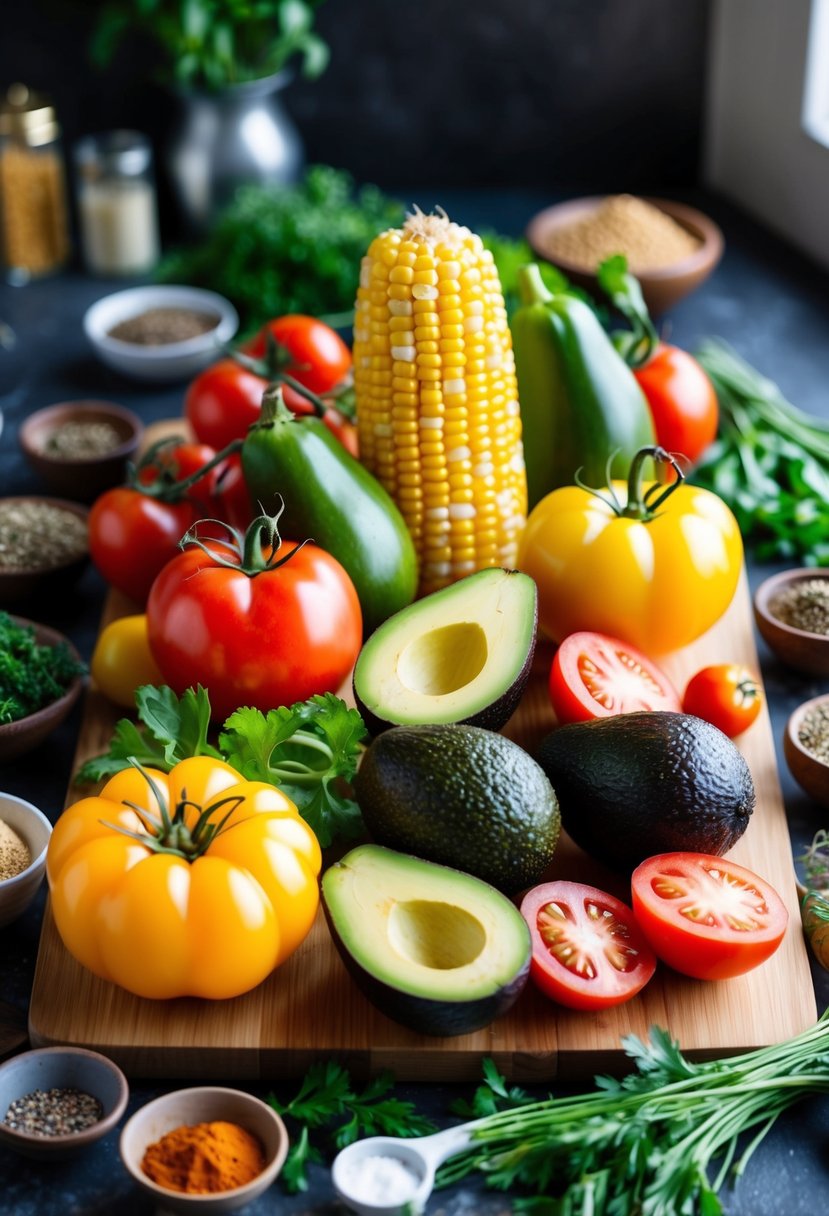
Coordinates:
<point>569,95</point>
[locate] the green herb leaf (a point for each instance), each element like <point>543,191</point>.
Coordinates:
<point>31,675</point>
<point>294,1174</point>
<point>307,751</point>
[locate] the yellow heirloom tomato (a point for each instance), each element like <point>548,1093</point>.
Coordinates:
<point>188,883</point>
<point>653,564</point>
<point>122,660</point>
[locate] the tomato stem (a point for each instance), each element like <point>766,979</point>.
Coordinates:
<point>165,486</point>
<point>253,553</point>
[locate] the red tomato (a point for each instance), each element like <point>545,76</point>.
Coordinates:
<point>707,916</point>
<point>132,536</point>
<point>596,676</point>
<point>316,354</point>
<point>682,401</point>
<point>265,640</point>
<point>725,694</point>
<point>222,402</point>
<point>587,950</point>
<point>180,461</point>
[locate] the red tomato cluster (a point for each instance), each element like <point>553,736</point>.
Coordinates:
<point>704,916</point>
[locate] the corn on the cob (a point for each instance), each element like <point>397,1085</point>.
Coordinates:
<point>437,405</point>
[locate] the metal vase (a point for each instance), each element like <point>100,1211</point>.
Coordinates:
<point>229,138</point>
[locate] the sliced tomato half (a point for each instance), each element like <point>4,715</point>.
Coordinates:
<point>587,950</point>
<point>596,676</point>
<point>707,916</point>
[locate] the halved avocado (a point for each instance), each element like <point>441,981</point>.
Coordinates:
<point>462,654</point>
<point>434,949</point>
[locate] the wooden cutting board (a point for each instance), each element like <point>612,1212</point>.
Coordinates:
<point>309,1009</point>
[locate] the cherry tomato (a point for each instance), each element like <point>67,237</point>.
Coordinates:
<point>122,661</point>
<point>315,354</point>
<point>265,640</point>
<point>706,916</point>
<point>587,950</point>
<point>180,461</point>
<point>595,676</point>
<point>222,402</point>
<point>725,694</point>
<point>682,401</point>
<point>132,535</point>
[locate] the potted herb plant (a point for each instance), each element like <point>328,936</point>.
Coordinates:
<point>227,61</point>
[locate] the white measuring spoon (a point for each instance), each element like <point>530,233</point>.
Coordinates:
<point>420,1156</point>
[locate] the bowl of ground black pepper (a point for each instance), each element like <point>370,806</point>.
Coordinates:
<point>791,611</point>
<point>670,247</point>
<point>24,836</point>
<point>204,1150</point>
<point>44,547</point>
<point>160,333</point>
<point>81,448</point>
<point>806,748</point>
<point>56,1101</point>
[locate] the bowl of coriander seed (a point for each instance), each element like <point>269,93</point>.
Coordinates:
<point>791,611</point>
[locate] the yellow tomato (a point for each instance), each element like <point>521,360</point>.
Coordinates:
<point>122,661</point>
<point>658,580</point>
<point>231,898</point>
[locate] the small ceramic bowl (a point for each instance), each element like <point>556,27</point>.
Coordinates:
<point>661,288</point>
<point>810,772</point>
<point>170,361</point>
<point>206,1104</point>
<point>19,584</point>
<point>797,648</point>
<point>31,825</point>
<point>82,477</point>
<point>61,1068</point>
<point>23,735</point>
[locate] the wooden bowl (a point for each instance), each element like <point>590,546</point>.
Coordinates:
<point>810,773</point>
<point>661,288</point>
<point>21,584</point>
<point>31,825</point>
<point>86,477</point>
<point>204,1104</point>
<point>797,648</point>
<point>62,1068</point>
<point>17,738</point>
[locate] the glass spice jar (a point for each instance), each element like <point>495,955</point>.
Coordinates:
<point>116,199</point>
<point>34,230</point>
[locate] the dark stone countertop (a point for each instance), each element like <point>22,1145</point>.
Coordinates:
<point>772,305</point>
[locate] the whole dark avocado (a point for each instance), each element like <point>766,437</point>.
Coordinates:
<point>633,785</point>
<point>462,796</point>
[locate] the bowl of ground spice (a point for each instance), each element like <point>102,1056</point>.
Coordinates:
<point>670,247</point>
<point>44,547</point>
<point>160,333</point>
<point>791,611</point>
<point>24,836</point>
<point>81,448</point>
<point>806,748</point>
<point>41,677</point>
<point>207,1149</point>
<point>56,1101</point>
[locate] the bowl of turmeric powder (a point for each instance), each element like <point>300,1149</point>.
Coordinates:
<point>206,1149</point>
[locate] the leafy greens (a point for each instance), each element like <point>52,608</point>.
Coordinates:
<point>31,675</point>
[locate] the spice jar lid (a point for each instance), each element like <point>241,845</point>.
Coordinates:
<point>28,116</point>
<point>113,154</point>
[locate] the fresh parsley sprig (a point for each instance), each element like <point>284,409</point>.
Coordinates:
<point>327,1101</point>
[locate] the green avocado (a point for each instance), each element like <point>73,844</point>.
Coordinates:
<point>436,950</point>
<point>461,796</point>
<point>462,654</point>
<point>637,784</point>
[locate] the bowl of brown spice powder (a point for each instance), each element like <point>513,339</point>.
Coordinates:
<point>670,247</point>
<point>24,836</point>
<point>161,333</point>
<point>791,610</point>
<point>81,448</point>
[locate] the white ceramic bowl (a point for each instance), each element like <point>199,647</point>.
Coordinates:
<point>204,1104</point>
<point>32,825</point>
<point>173,360</point>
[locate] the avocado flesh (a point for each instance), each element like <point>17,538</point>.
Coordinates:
<point>462,654</point>
<point>435,949</point>
<point>637,784</point>
<point>461,796</point>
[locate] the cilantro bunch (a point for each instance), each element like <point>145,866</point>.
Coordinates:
<point>31,675</point>
<point>309,750</point>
